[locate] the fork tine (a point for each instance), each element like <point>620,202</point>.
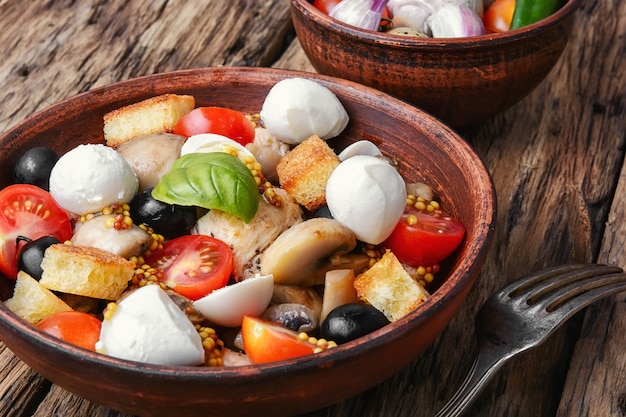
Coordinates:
<point>578,295</point>
<point>538,283</point>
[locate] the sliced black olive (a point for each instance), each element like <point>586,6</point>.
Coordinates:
<point>350,321</point>
<point>170,220</point>
<point>34,167</point>
<point>31,255</point>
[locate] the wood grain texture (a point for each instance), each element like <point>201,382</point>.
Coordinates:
<point>55,49</point>
<point>557,160</point>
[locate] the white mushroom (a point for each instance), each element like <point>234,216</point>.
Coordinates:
<point>303,254</point>
<point>419,189</point>
<point>151,156</point>
<point>293,294</point>
<point>268,151</point>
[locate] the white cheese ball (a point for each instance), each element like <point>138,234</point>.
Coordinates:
<point>91,177</point>
<point>368,196</point>
<point>149,327</point>
<point>296,108</point>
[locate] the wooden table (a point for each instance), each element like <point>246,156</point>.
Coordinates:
<point>557,160</point>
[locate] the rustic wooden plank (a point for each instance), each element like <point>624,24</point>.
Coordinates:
<point>595,382</point>
<point>59,402</point>
<point>21,388</point>
<point>554,158</point>
<point>79,45</point>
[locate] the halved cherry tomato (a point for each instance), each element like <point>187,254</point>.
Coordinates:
<point>325,5</point>
<point>218,120</point>
<point>29,211</point>
<point>78,328</point>
<point>193,265</point>
<point>426,242</point>
<point>498,16</point>
<point>264,341</point>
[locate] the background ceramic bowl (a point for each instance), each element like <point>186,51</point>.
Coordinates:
<point>426,150</point>
<point>462,81</point>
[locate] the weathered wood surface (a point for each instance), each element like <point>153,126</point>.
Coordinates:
<point>557,160</point>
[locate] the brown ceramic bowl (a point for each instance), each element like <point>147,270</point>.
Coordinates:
<point>462,81</point>
<point>426,149</point>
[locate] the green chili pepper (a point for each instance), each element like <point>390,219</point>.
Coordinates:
<point>531,11</point>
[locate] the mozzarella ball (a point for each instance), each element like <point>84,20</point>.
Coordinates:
<point>296,108</point>
<point>149,327</point>
<point>91,177</point>
<point>367,195</point>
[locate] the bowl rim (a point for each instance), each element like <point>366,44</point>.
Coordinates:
<point>450,289</point>
<point>307,10</point>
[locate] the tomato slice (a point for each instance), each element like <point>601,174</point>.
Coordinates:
<point>218,120</point>
<point>193,265</point>
<point>265,341</point>
<point>426,242</point>
<point>29,211</point>
<point>325,5</point>
<point>498,16</point>
<point>78,328</point>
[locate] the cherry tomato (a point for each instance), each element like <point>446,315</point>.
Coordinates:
<point>265,341</point>
<point>193,265</point>
<point>385,21</point>
<point>325,5</point>
<point>78,328</point>
<point>426,242</point>
<point>29,211</point>
<point>218,120</point>
<point>497,17</point>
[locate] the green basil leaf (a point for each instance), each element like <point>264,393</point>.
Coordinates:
<point>214,180</point>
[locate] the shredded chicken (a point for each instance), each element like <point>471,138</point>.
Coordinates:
<point>249,239</point>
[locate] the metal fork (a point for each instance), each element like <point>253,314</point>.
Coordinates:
<point>523,314</point>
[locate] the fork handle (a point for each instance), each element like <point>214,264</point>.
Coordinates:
<point>483,369</point>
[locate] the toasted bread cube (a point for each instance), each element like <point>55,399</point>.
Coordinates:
<point>155,115</point>
<point>389,288</point>
<point>32,302</point>
<point>85,271</point>
<point>305,170</point>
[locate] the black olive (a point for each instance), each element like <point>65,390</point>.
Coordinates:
<point>169,220</point>
<point>31,255</point>
<point>350,321</point>
<point>34,167</point>
<point>323,211</point>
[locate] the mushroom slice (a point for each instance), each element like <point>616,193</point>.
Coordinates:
<point>98,232</point>
<point>301,255</point>
<point>296,317</point>
<point>268,151</point>
<point>293,294</point>
<point>151,156</point>
<point>419,189</point>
